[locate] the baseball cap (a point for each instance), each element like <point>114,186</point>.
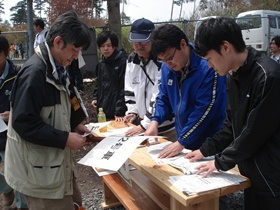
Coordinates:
<point>141,30</point>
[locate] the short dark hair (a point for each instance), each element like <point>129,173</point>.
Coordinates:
<point>212,33</point>
<point>71,29</point>
<point>104,35</point>
<point>39,22</point>
<point>167,36</point>
<point>276,40</point>
<point>4,45</point>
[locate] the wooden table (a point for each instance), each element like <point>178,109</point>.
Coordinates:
<point>151,189</point>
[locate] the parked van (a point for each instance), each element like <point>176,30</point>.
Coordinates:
<point>259,27</point>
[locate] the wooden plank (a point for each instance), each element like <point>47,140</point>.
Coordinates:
<point>110,200</point>
<point>99,136</point>
<point>159,174</point>
<point>212,204</point>
<point>130,197</point>
<point>157,194</point>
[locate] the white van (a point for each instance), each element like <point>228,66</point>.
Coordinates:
<point>259,27</point>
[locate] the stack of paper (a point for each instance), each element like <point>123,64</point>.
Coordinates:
<point>192,184</point>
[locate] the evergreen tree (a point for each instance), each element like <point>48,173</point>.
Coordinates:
<point>1,9</point>
<point>19,16</point>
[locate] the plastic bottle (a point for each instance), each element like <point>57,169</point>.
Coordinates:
<point>101,117</point>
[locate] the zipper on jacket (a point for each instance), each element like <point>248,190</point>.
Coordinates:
<point>180,83</point>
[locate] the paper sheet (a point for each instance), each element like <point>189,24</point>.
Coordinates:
<point>154,151</point>
<point>112,152</point>
<point>192,184</point>
<point>3,125</point>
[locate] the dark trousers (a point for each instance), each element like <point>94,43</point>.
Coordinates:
<point>256,202</point>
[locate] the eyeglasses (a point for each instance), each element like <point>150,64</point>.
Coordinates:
<point>170,58</point>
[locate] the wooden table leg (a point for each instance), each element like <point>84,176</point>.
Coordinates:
<point>110,200</point>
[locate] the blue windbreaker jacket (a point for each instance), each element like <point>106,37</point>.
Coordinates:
<point>197,98</point>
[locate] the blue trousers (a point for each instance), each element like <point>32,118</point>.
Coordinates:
<point>5,188</point>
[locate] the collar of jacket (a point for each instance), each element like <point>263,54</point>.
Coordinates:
<point>137,60</point>
<point>115,56</point>
<point>44,53</point>
<point>245,68</point>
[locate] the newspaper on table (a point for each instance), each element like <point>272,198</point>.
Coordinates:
<point>177,161</point>
<point>193,184</point>
<point>190,183</point>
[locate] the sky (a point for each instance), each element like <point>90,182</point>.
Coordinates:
<point>154,10</point>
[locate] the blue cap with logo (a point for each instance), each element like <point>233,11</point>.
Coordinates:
<point>141,30</point>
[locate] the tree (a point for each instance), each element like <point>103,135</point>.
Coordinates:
<point>19,16</point>
<point>114,18</point>
<point>81,7</point>
<point>1,9</point>
<point>222,7</point>
<point>96,5</point>
<point>125,19</point>
<point>39,5</point>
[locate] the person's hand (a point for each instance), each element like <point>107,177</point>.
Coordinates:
<point>194,155</point>
<point>208,167</point>
<point>172,150</point>
<point>134,131</point>
<point>119,119</point>
<point>81,129</point>
<point>75,141</point>
<point>130,117</point>
<point>94,103</point>
<point>152,130</point>
<point>5,115</point>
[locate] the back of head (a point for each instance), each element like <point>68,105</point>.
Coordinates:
<point>39,22</point>
<point>104,36</point>
<point>71,29</point>
<point>214,31</point>
<point>141,30</point>
<point>167,36</point>
<point>4,45</point>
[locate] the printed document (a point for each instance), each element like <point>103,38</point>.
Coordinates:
<point>112,152</point>
<point>192,184</point>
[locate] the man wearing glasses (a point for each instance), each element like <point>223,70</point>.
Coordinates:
<point>189,89</point>
<point>143,72</point>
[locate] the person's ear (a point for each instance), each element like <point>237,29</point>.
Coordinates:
<point>226,47</point>
<point>58,42</point>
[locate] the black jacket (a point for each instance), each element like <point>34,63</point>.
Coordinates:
<point>109,90</point>
<point>250,136</point>
<point>5,92</point>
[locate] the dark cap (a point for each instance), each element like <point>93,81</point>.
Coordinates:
<point>141,30</point>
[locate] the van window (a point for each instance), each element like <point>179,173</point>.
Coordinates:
<point>278,20</point>
<point>249,22</point>
<point>272,21</point>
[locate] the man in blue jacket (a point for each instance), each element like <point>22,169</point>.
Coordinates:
<point>189,88</point>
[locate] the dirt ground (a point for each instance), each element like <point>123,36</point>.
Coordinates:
<point>87,179</point>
